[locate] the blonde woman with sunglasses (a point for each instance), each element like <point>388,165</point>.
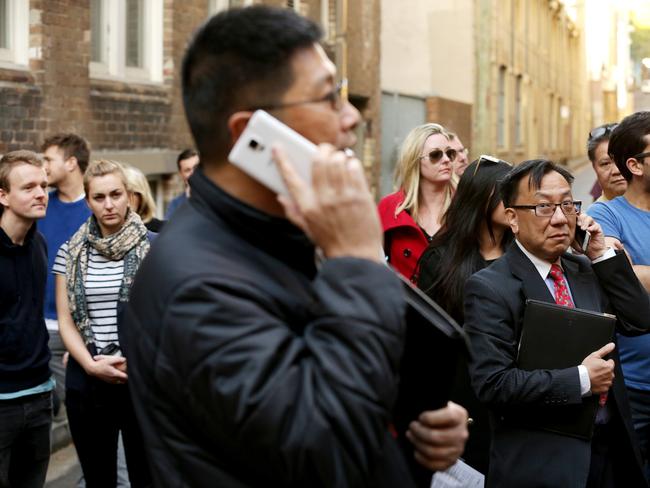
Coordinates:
<point>413,214</point>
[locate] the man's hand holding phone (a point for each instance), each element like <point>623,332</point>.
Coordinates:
<point>337,210</point>
<point>595,238</point>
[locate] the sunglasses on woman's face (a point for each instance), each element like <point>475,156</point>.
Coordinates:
<point>436,155</point>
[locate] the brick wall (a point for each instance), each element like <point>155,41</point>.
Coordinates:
<point>363,39</point>
<point>60,37</point>
<point>21,124</point>
<point>455,116</point>
<point>56,92</point>
<point>124,117</point>
<point>185,17</point>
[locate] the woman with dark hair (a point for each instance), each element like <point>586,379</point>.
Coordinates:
<point>474,233</point>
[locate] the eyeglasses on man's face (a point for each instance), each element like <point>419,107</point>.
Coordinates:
<point>336,98</point>
<point>436,155</point>
<point>601,131</point>
<point>547,209</point>
<point>641,157</point>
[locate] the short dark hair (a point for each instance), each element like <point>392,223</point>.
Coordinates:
<point>628,140</point>
<point>185,154</point>
<point>537,169</point>
<point>594,142</point>
<point>71,145</point>
<point>14,158</point>
<point>239,59</point>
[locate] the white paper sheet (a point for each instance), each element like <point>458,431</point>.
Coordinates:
<point>460,475</point>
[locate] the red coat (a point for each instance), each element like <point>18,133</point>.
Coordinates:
<point>406,240</point>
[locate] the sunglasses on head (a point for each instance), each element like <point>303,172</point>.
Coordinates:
<point>484,158</point>
<point>602,131</point>
<point>436,155</point>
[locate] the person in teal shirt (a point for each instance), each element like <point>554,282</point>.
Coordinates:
<point>626,222</point>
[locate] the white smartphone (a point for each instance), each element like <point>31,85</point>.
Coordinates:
<point>252,151</point>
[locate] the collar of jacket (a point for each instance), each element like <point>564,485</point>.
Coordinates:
<point>387,208</point>
<point>7,246</point>
<point>273,235</point>
<point>534,287</point>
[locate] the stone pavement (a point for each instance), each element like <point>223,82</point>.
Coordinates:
<point>64,470</point>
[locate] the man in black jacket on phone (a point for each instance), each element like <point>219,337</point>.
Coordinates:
<point>249,363</point>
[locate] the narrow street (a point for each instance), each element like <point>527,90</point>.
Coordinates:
<point>584,180</point>
<point>64,470</point>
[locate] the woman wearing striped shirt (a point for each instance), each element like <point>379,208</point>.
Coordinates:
<point>95,270</point>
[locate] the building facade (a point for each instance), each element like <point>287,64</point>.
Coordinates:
<point>428,72</point>
<point>508,76</point>
<point>532,93</point>
<point>109,71</point>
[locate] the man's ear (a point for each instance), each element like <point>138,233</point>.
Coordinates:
<point>4,201</point>
<point>237,122</point>
<point>513,220</point>
<point>71,163</point>
<point>635,166</point>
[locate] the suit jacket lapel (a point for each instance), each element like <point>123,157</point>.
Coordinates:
<point>580,284</point>
<point>523,269</point>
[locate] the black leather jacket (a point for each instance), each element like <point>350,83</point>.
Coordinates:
<point>250,367</point>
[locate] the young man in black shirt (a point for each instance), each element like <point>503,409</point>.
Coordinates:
<point>25,379</point>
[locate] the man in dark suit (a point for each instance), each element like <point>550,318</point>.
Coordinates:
<point>543,216</point>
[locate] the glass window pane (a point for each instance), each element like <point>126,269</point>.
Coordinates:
<point>4,25</point>
<point>501,108</point>
<point>96,32</point>
<point>134,33</point>
<point>518,113</point>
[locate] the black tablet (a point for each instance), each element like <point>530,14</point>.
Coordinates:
<point>434,343</point>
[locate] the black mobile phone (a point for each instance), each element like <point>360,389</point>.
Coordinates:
<point>111,350</point>
<point>582,238</point>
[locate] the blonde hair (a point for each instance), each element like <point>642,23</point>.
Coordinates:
<point>14,158</point>
<point>138,184</point>
<point>407,170</point>
<point>102,167</point>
